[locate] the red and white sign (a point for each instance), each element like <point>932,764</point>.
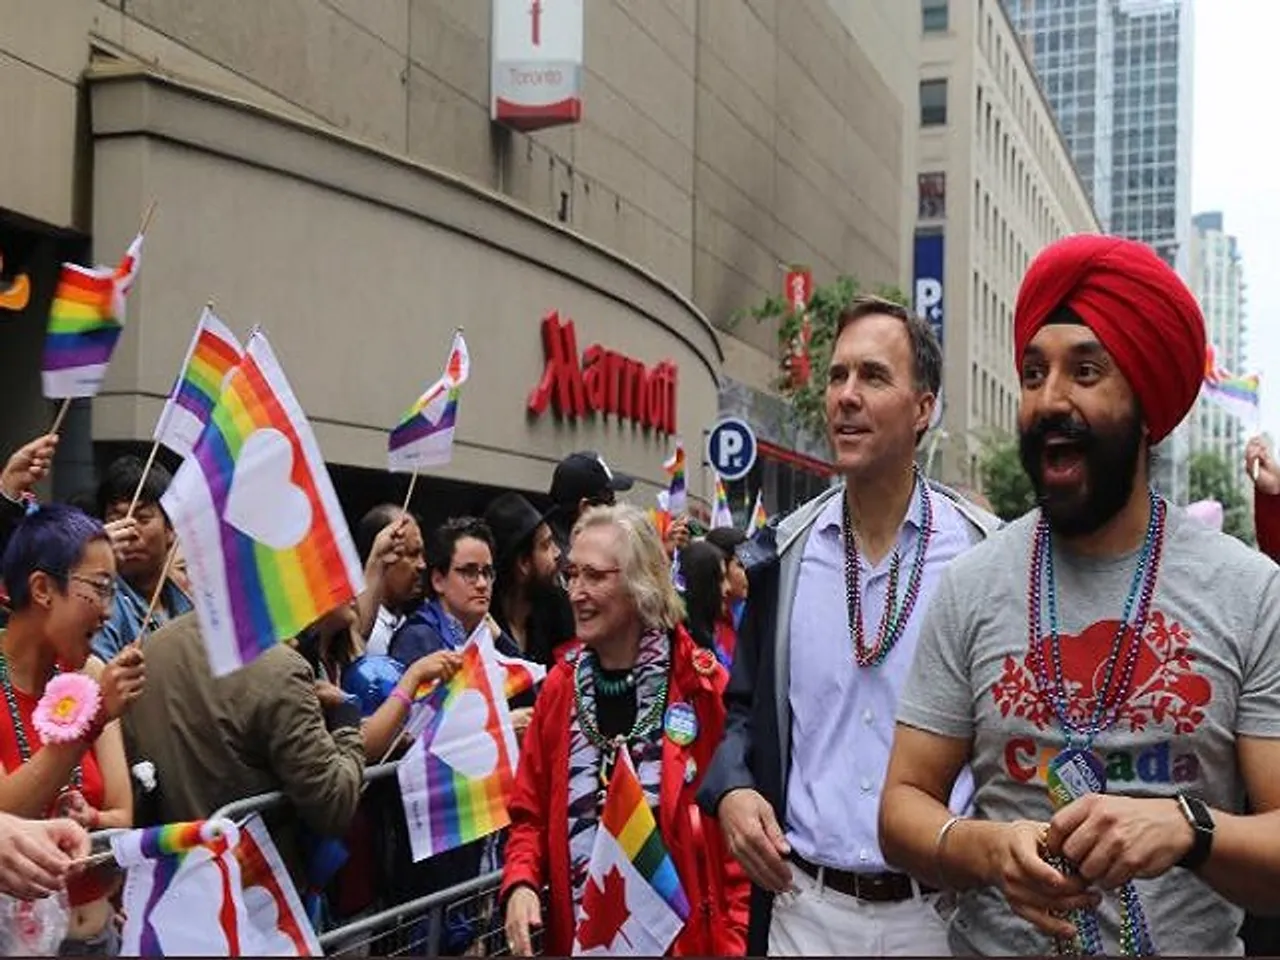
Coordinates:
<point>604,382</point>
<point>798,288</point>
<point>536,70</point>
<point>798,291</point>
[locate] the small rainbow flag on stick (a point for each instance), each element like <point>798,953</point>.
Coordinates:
<point>633,903</point>
<point>213,354</point>
<point>263,532</point>
<point>759,519</point>
<point>457,777</point>
<point>85,321</point>
<point>424,435</point>
<point>721,514</point>
<point>1237,395</point>
<point>678,492</point>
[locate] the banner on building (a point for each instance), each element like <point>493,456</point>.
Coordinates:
<point>536,68</point>
<point>928,287</point>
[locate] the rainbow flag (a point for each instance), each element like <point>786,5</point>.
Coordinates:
<point>633,903</point>
<point>264,535</point>
<point>1237,395</point>
<point>721,513</point>
<point>424,435</point>
<point>182,891</point>
<point>214,352</point>
<point>759,519</point>
<point>456,779</point>
<point>275,916</point>
<point>677,493</point>
<point>85,321</point>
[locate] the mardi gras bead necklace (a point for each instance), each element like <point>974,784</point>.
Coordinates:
<point>1076,770</point>
<point>645,723</point>
<point>893,621</point>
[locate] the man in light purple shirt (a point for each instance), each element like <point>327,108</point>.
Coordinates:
<point>826,644</point>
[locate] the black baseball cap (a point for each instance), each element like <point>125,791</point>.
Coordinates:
<point>585,476</point>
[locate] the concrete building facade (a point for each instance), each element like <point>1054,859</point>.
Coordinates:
<point>329,169</point>
<point>1118,74</point>
<point>996,185</point>
<point>1217,279</point>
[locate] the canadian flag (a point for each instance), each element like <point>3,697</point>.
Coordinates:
<point>632,903</point>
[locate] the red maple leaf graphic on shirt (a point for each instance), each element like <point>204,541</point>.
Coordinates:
<point>604,911</point>
<point>1166,688</point>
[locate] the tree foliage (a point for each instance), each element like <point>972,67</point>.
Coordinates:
<point>807,401</point>
<point>1210,477</point>
<point>1004,482</point>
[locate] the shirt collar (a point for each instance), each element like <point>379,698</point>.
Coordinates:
<point>831,518</point>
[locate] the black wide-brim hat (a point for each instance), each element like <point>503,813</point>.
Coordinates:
<point>513,521</point>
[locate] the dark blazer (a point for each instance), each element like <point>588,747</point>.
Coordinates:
<point>755,752</point>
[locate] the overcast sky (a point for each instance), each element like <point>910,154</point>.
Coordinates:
<point>1235,158</point>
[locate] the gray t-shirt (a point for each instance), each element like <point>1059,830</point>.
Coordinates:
<point>1209,671</point>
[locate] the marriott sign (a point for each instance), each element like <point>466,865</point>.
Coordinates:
<point>536,70</point>
<point>604,382</point>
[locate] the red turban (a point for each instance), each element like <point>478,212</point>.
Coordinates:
<point>1137,307</point>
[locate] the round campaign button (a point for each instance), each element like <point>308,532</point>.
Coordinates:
<point>681,724</point>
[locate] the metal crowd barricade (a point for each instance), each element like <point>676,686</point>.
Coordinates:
<point>415,928</point>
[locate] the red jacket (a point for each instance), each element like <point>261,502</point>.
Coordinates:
<point>1266,523</point>
<point>537,851</point>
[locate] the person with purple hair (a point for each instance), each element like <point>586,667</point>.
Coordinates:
<point>60,573</point>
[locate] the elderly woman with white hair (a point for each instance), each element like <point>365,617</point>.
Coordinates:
<point>637,683</point>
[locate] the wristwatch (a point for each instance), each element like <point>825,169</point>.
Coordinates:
<point>1201,820</point>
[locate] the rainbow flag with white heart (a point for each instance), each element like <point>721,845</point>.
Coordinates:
<point>424,435</point>
<point>456,779</point>
<point>266,542</point>
<point>182,891</point>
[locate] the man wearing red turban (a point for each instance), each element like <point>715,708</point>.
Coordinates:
<point>1107,666</point>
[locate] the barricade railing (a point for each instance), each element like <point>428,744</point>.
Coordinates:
<point>417,927</point>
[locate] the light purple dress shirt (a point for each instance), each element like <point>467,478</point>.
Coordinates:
<point>843,714</point>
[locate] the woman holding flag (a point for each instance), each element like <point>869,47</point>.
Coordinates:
<point>603,812</point>
<point>62,754</point>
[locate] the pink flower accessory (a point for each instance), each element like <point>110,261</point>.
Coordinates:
<point>68,709</point>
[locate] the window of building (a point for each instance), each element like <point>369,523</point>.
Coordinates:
<point>933,102</point>
<point>934,15</point>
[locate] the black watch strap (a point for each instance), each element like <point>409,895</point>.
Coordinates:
<point>1201,820</point>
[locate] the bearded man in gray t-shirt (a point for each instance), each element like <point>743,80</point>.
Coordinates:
<point>1109,668</point>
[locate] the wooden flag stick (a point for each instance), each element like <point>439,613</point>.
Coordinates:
<point>155,594</point>
<point>413,481</point>
<point>62,415</point>
<point>146,217</point>
<point>142,480</point>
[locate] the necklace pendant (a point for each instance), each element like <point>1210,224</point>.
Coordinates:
<point>1075,773</point>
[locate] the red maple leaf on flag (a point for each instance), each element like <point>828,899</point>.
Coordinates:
<point>604,911</point>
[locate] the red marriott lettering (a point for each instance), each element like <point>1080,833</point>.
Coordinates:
<point>605,382</point>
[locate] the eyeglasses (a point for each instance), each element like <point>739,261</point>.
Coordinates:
<point>590,576</point>
<point>105,589</point>
<point>472,572</point>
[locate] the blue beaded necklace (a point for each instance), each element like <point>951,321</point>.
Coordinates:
<point>1077,770</point>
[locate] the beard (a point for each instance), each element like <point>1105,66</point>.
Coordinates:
<point>1107,466</point>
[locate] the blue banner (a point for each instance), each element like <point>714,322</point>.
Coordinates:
<point>927,298</point>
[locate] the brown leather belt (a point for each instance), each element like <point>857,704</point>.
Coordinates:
<point>870,887</point>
